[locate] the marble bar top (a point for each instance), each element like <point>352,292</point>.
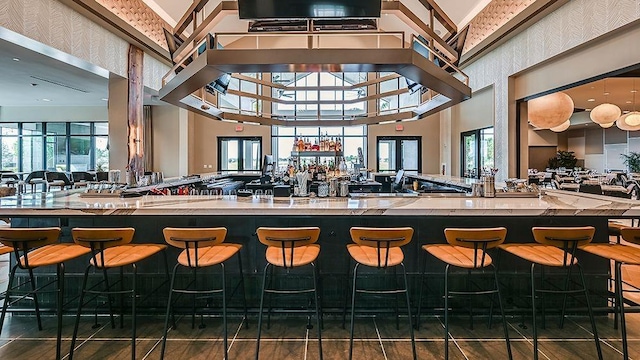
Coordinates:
<point>553,203</point>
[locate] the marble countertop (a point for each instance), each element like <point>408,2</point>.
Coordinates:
<point>553,203</point>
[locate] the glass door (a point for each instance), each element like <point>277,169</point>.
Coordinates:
<point>239,154</point>
<point>400,152</point>
<point>477,152</point>
<point>469,154</point>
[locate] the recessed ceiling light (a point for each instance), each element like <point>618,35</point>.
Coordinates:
<point>587,109</point>
<point>591,100</point>
<point>634,91</point>
<point>47,100</point>
<point>606,94</point>
<point>104,99</point>
<point>629,102</point>
<point>16,59</point>
<point>626,112</point>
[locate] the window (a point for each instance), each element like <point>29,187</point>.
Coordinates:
<point>351,137</point>
<point>54,146</point>
<point>239,154</point>
<point>395,102</point>
<point>477,154</point>
<point>399,152</point>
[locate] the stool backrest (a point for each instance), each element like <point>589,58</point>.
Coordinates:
<point>382,239</point>
<point>102,238</point>
<point>479,239</point>
<point>631,234</point>
<point>193,239</point>
<point>566,238</point>
<point>24,239</point>
<point>288,239</point>
<point>99,239</point>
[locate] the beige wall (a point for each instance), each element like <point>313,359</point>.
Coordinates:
<point>53,113</point>
<point>203,141</point>
<point>428,128</point>
<point>475,113</point>
<point>166,140</point>
<point>118,123</point>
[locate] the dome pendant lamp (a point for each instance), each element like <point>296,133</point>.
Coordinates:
<point>550,110</point>
<point>633,118</point>
<point>605,113</point>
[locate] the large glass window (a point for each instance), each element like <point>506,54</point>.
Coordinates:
<point>397,100</point>
<point>239,154</point>
<point>54,146</point>
<point>9,155</point>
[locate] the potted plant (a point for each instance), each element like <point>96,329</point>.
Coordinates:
<point>632,161</point>
<point>563,159</point>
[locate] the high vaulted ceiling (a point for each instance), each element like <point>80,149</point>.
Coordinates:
<point>460,11</point>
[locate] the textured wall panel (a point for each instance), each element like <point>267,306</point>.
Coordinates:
<point>576,23</point>
<point>137,14</point>
<point>56,25</point>
<point>491,18</point>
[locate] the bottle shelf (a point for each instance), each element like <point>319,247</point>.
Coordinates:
<point>316,153</point>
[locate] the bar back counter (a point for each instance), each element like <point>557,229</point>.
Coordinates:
<point>428,215</point>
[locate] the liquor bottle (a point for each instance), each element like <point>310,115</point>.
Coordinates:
<point>300,144</point>
<point>295,146</point>
<point>322,143</point>
<point>315,146</point>
<point>338,145</point>
<point>332,145</point>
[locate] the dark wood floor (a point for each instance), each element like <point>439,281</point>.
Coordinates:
<point>288,338</point>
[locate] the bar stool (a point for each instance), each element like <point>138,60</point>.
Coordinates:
<point>621,255</point>
<point>34,248</point>
<point>290,248</point>
<point>555,247</point>
<point>111,248</point>
<point>379,248</point>
<point>203,247</point>
<point>467,249</point>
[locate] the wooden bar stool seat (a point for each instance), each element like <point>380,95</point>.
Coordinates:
<point>621,255</point>
<point>379,248</point>
<point>290,248</point>
<point>209,256</point>
<point>303,255</point>
<point>35,248</point>
<point>556,247</point>
<point>467,249</point>
<point>458,256</point>
<point>540,254</point>
<point>367,255</point>
<point>202,247</point>
<point>5,249</point>
<point>124,255</point>
<point>111,248</point>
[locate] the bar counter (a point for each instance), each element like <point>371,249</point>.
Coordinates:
<point>429,215</point>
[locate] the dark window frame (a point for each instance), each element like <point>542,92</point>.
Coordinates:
<point>241,139</point>
<point>399,140</point>
<point>478,136</point>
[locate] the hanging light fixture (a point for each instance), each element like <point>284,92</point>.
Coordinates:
<point>606,126</point>
<point>633,118</point>
<point>562,127</point>
<point>550,110</point>
<point>605,113</point>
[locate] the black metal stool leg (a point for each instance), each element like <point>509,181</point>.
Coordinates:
<point>564,299</point>
<point>264,284</point>
<point>346,294</point>
<point>406,292</point>
<point>134,322</point>
<point>108,288</point>
<point>504,318</point>
<point>60,301</point>
<point>166,317</point>
<point>533,309</point>
<point>195,297</point>
<point>395,280</point>
<point>7,296</point>
<point>422,276</point>
<point>543,310</point>
<point>224,314</point>
<point>446,312</point>
<point>620,302</point>
<point>80,304</point>
<point>270,296</point>
<point>353,309</point>
<point>317,302</point>
<point>121,297</point>
<point>590,309</point>
<point>35,298</point>
<point>244,294</point>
